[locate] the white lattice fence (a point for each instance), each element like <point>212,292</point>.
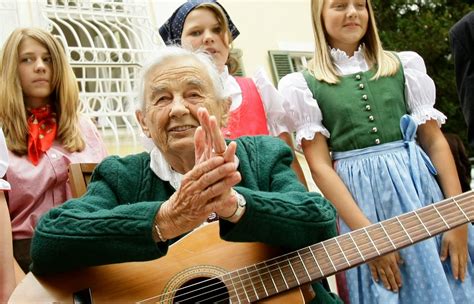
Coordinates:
<point>106,41</point>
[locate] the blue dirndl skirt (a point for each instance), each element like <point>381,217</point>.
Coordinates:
<point>386,181</point>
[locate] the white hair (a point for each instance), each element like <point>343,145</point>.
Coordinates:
<point>174,52</point>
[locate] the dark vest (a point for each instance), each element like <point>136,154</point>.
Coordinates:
<point>360,112</point>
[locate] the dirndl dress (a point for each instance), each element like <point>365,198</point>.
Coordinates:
<point>389,180</point>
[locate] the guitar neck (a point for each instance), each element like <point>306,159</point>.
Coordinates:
<point>349,250</point>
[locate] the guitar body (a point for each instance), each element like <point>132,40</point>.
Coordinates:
<point>198,256</point>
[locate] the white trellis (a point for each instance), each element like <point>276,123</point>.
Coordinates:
<point>106,41</point>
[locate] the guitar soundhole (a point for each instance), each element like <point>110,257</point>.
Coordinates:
<point>202,290</point>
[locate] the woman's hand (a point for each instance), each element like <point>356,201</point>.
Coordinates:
<point>454,245</point>
<point>209,142</point>
<point>386,268</point>
<point>208,139</point>
<point>207,187</point>
<point>202,188</point>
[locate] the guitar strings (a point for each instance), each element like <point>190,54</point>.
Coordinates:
<point>463,220</point>
<point>254,288</point>
<point>331,244</point>
<point>384,243</point>
<point>243,284</point>
<point>359,246</point>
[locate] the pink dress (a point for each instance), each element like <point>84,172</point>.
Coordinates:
<point>249,118</point>
<point>36,189</point>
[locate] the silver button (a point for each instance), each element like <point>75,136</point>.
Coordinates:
<point>374,130</point>
<point>358,77</point>
<point>368,108</point>
<point>371,118</point>
<point>377,141</point>
<point>365,97</point>
<point>361,86</point>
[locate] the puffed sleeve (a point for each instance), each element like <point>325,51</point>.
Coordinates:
<point>4,185</point>
<point>273,103</point>
<point>301,108</point>
<point>420,90</point>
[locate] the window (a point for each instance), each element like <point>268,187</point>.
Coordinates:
<point>106,42</point>
<point>286,62</point>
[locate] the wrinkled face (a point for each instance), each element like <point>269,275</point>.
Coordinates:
<point>202,30</point>
<point>174,91</point>
<point>345,22</point>
<point>35,71</point>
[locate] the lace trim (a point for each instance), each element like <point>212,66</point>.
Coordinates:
<point>341,56</point>
<point>423,114</point>
<point>308,132</point>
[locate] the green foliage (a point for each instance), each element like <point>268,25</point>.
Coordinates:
<point>422,26</point>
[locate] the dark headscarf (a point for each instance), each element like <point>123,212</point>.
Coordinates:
<point>172,30</point>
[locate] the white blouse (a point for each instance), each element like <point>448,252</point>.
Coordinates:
<point>271,98</point>
<point>163,170</point>
<point>304,114</point>
<point>4,185</point>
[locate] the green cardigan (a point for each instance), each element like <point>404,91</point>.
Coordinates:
<point>113,221</point>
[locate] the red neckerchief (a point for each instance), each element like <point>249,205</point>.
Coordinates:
<point>41,132</point>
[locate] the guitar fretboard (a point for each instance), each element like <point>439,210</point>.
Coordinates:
<point>321,260</point>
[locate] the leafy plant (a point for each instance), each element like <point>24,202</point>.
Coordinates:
<point>422,26</point>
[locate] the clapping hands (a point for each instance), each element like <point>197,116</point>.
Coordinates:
<point>207,187</point>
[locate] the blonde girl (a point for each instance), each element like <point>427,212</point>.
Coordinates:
<point>44,132</point>
<point>366,121</point>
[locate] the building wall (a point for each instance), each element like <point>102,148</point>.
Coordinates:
<point>270,25</point>
<point>19,13</point>
<point>264,24</point>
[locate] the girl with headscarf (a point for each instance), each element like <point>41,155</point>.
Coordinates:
<point>256,105</point>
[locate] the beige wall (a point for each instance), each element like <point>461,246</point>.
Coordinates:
<point>270,25</point>
<point>264,25</point>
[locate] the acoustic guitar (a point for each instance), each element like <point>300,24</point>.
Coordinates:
<point>202,268</point>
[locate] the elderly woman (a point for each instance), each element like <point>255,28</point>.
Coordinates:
<point>136,206</point>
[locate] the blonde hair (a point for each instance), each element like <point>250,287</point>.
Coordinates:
<point>65,95</point>
<point>232,62</point>
<point>322,68</point>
